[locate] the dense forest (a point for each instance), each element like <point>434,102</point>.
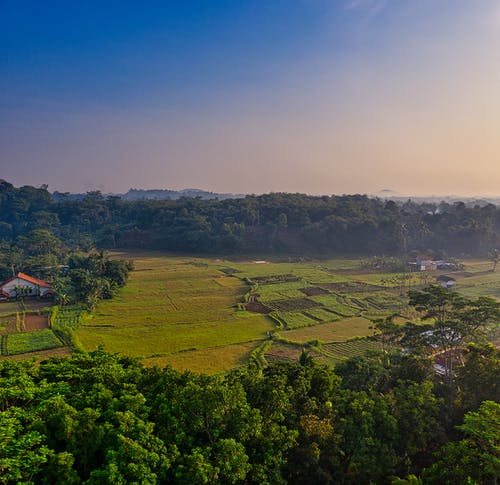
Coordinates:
<point>97,418</point>
<point>286,223</point>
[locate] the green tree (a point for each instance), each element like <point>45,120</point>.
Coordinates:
<point>475,457</point>
<point>455,320</point>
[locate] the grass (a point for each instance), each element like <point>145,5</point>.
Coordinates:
<point>210,360</point>
<point>296,319</point>
<point>485,284</point>
<point>332,332</point>
<point>22,342</point>
<point>31,304</point>
<point>173,305</point>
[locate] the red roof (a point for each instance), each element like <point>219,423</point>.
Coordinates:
<point>29,278</point>
<point>35,281</point>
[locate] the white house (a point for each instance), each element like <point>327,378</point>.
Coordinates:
<point>25,285</point>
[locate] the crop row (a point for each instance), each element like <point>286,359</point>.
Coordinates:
<point>337,351</point>
<point>295,319</point>
<point>22,342</point>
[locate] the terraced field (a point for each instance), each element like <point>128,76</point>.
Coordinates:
<point>211,315</point>
<point>338,351</point>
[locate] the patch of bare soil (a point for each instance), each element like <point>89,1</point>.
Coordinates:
<point>293,305</point>
<point>314,291</point>
<point>257,307</point>
<point>35,322</point>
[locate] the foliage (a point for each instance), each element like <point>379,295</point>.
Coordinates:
<point>455,320</point>
<point>98,418</point>
<point>477,455</point>
<point>276,222</point>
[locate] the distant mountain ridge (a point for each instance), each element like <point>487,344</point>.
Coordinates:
<point>167,194</point>
<point>153,194</point>
<point>162,194</point>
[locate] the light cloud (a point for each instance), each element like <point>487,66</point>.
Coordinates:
<point>371,6</point>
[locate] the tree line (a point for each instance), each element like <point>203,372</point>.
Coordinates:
<point>292,223</point>
<point>102,419</point>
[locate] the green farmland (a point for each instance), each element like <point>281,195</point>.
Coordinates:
<point>210,315</point>
<point>178,311</point>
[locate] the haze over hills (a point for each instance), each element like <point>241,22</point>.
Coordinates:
<point>134,194</point>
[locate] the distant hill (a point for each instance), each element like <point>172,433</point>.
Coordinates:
<point>468,201</point>
<point>152,194</point>
<point>162,194</point>
<point>389,194</point>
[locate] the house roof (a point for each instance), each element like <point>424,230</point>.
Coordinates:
<point>30,279</point>
<point>445,278</point>
<point>35,281</point>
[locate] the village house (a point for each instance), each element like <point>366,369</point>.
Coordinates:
<point>446,281</point>
<point>423,263</point>
<point>25,285</point>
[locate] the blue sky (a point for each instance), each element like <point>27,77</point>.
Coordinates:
<point>316,96</point>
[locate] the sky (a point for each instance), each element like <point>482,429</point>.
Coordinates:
<point>252,96</point>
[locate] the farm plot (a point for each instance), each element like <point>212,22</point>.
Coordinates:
<point>383,300</point>
<point>332,332</point>
<point>23,342</point>
<point>322,314</point>
<point>68,316</point>
<point>171,305</point>
<point>8,323</point>
<point>480,284</point>
<point>280,291</point>
<point>295,319</point>
<point>282,352</point>
<point>338,351</point>
<point>35,321</point>
<point>275,278</point>
<point>309,271</point>
<point>210,360</point>
<point>40,354</point>
<point>314,291</point>
<point>350,287</point>
<point>292,304</point>
<point>331,302</point>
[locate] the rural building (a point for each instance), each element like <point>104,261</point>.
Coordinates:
<point>424,264</point>
<point>23,284</point>
<point>446,281</point>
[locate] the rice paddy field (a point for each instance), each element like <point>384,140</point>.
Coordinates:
<point>209,315</point>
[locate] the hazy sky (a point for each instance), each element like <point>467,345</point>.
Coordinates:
<point>315,96</point>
